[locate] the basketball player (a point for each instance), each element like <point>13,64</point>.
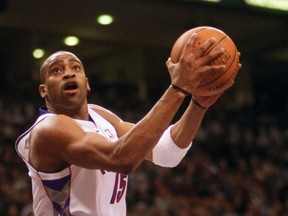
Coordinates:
<point>79,154</point>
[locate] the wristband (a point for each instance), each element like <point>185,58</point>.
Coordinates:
<point>177,88</point>
<point>198,104</point>
<point>166,153</point>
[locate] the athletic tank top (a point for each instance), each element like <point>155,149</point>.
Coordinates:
<point>75,190</point>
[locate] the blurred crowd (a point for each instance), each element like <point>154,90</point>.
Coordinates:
<point>236,166</point>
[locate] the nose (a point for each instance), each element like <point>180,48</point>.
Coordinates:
<point>69,74</point>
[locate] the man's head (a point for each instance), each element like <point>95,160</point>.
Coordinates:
<point>52,57</point>
<point>64,84</point>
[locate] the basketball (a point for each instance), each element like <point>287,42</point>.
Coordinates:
<point>214,82</point>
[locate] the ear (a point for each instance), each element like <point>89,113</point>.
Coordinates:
<point>42,90</point>
<point>87,84</point>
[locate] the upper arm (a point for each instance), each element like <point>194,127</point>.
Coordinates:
<point>59,141</point>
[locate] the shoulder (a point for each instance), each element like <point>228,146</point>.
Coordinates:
<point>49,141</point>
<point>53,127</point>
<point>106,114</point>
<point>121,126</point>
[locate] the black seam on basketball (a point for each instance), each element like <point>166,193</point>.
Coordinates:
<point>235,51</point>
<point>211,48</point>
<point>201,30</point>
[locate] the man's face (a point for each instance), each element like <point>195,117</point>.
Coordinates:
<point>65,84</point>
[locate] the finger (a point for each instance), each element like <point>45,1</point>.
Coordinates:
<point>189,44</point>
<point>239,66</point>
<point>231,83</point>
<point>203,49</point>
<point>211,69</point>
<point>169,62</point>
<point>213,55</point>
<point>170,65</point>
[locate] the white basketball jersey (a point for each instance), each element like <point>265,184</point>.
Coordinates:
<point>76,191</point>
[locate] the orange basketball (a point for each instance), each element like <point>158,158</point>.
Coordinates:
<point>212,83</point>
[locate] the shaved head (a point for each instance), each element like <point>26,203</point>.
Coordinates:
<point>43,68</point>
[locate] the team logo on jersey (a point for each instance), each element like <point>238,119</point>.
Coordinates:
<point>108,132</point>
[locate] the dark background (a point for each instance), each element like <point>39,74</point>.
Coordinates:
<point>134,49</point>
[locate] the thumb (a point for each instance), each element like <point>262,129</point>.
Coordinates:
<point>169,62</point>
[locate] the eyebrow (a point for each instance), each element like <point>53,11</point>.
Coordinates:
<point>61,61</point>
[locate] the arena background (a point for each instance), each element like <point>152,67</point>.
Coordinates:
<point>238,163</point>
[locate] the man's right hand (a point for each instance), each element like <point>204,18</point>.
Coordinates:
<point>188,72</point>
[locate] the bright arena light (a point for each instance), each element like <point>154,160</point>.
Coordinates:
<point>71,41</point>
<point>38,53</point>
<point>270,4</point>
<point>105,19</point>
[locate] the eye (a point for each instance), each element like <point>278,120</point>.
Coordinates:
<point>55,70</point>
<point>76,67</point>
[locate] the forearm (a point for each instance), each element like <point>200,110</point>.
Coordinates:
<point>173,146</point>
<point>132,148</point>
<point>185,130</point>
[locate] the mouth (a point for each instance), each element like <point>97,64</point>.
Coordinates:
<point>70,87</point>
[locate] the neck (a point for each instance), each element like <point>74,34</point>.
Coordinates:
<point>81,113</point>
